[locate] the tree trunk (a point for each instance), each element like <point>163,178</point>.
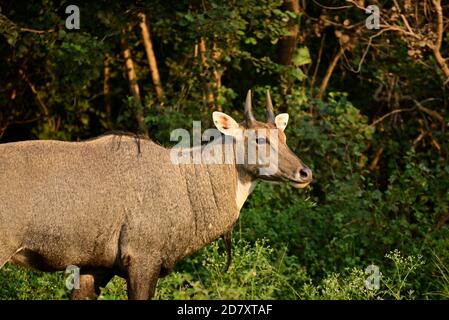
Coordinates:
<point>150,55</point>
<point>287,45</point>
<point>210,99</point>
<point>106,90</point>
<point>217,70</point>
<point>132,79</point>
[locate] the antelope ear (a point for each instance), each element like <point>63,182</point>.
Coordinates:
<point>226,124</point>
<point>281,121</point>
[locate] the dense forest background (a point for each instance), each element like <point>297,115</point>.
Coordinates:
<point>368,109</point>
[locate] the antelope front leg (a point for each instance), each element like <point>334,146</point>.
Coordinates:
<point>86,290</point>
<point>90,284</point>
<point>142,280</point>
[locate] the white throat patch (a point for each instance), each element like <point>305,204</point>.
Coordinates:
<point>244,189</point>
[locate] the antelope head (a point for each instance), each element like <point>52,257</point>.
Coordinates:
<point>262,146</point>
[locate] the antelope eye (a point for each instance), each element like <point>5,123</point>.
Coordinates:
<point>261,140</point>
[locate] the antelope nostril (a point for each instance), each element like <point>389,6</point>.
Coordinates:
<point>303,174</point>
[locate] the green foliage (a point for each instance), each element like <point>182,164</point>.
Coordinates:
<point>399,285</point>
<point>19,283</point>
<point>254,274</point>
<point>380,191</point>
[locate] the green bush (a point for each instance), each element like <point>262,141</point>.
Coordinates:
<point>319,240</point>
<point>20,283</point>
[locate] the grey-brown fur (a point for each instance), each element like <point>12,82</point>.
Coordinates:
<point>108,209</point>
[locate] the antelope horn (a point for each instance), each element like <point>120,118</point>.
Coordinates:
<point>249,117</point>
<point>270,113</point>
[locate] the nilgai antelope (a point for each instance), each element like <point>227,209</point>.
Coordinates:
<point>124,209</point>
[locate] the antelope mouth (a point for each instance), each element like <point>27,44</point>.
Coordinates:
<point>300,185</point>
<point>295,182</point>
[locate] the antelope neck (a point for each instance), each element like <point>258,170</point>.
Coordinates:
<point>245,185</point>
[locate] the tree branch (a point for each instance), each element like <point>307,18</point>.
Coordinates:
<point>318,62</point>
<point>36,31</point>
<point>437,45</point>
<point>329,72</point>
<point>39,100</point>
<point>390,114</point>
